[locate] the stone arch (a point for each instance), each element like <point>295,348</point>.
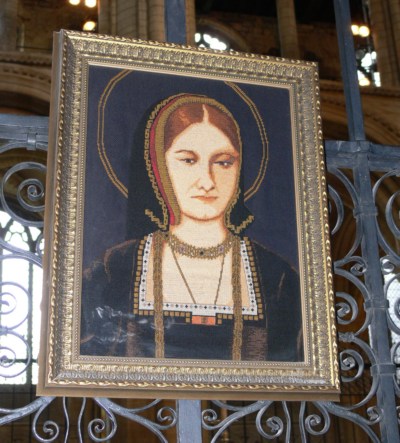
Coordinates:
<point>379,126</point>
<point>25,88</point>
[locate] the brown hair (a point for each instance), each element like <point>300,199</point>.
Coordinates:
<point>190,113</point>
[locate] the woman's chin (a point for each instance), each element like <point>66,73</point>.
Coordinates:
<point>204,216</point>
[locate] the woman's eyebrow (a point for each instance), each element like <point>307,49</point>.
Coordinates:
<point>185,151</point>
<point>233,155</point>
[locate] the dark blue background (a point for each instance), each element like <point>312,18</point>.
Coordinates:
<point>105,216</point>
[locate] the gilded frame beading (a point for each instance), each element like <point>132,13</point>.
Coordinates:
<point>63,370</point>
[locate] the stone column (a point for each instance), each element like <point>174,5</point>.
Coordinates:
<point>126,18</point>
<point>190,22</point>
<point>385,20</point>
<point>107,11</point>
<point>287,29</point>
<point>104,14</point>
<point>394,15</point>
<point>142,19</point>
<point>8,25</point>
<point>156,20</point>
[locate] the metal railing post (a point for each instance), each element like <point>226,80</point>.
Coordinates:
<point>189,421</point>
<point>189,411</point>
<point>175,21</point>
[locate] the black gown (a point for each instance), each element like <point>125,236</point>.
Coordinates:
<point>112,324</point>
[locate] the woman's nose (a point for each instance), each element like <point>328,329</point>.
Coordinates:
<point>205,178</point>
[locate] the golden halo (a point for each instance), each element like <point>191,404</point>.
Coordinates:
<point>263,135</point>
<point>250,192</point>
<point>100,132</point>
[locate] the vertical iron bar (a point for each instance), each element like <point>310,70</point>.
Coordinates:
<point>189,411</point>
<point>384,369</point>
<point>189,421</point>
<point>349,70</point>
<point>175,21</point>
<point>29,335</point>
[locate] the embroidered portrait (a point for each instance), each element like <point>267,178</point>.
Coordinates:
<point>188,281</point>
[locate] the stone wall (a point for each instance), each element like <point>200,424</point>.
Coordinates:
<point>36,23</point>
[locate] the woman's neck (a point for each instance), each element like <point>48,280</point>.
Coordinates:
<point>200,233</point>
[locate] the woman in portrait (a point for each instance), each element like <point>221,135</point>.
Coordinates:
<point>195,287</point>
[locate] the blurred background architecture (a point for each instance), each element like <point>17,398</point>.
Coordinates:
<point>301,29</point>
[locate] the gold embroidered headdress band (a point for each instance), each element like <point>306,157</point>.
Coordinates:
<point>155,154</point>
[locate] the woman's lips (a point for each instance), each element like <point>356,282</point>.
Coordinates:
<point>205,198</point>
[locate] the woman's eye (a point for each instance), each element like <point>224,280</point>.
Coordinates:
<point>189,161</point>
<point>224,160</point>
<point>225,163</point>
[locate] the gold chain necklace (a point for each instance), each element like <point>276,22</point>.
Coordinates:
<point>191,251</point>
<point>187,284</point>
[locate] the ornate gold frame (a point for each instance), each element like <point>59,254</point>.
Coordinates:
<point>62,370</point>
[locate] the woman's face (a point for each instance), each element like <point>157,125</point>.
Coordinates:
<point>204,168</point>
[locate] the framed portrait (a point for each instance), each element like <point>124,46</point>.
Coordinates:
<point>187,240</point>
